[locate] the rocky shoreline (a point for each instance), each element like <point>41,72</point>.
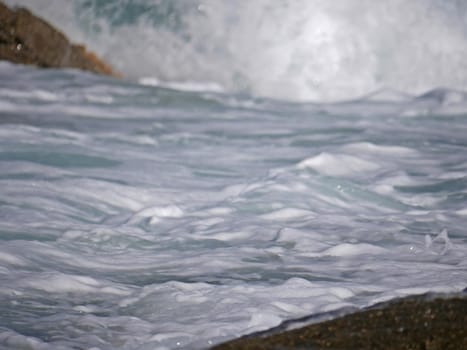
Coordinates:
<point>413,323</point>
<point>28,39</point>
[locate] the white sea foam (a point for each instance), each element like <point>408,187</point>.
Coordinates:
<point>156,214</point>
<point>65,284</point>
<point>183,86</point>
<point>339,164</point>
<point>13,340</point>
<point>462,212</point>
<point>288,214</point>
<point>11,259</point>
<point>387,151</point>
<point>347,249</point>
<point>241,214</point>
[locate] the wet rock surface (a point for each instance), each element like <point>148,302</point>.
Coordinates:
<point>28,39</point>
<point>415,323</point>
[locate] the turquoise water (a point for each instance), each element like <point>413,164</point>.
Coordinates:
<point>167,212</point>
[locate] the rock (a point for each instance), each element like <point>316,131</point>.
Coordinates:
<point>415,323</point>
<point>28,39</point>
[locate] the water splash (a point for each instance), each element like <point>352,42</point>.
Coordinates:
<point>295,50</point>
<point>440,244</point>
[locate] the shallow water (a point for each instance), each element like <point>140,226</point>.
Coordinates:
<point>141,217</point>
<point>207,196</point>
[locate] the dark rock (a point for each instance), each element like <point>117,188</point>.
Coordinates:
<point>28,39</point>
<point>415,323</point>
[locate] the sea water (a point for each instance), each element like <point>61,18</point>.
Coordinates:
<point>226,185</point>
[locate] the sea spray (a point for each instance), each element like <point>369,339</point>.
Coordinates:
<point>294,50</point>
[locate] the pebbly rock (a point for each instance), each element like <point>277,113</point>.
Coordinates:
<point>28,39</point>
<point>413,323</point>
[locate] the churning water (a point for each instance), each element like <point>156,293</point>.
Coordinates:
<point>199,200</point>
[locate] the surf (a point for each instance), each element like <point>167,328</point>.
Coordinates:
<point>298,51</point>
